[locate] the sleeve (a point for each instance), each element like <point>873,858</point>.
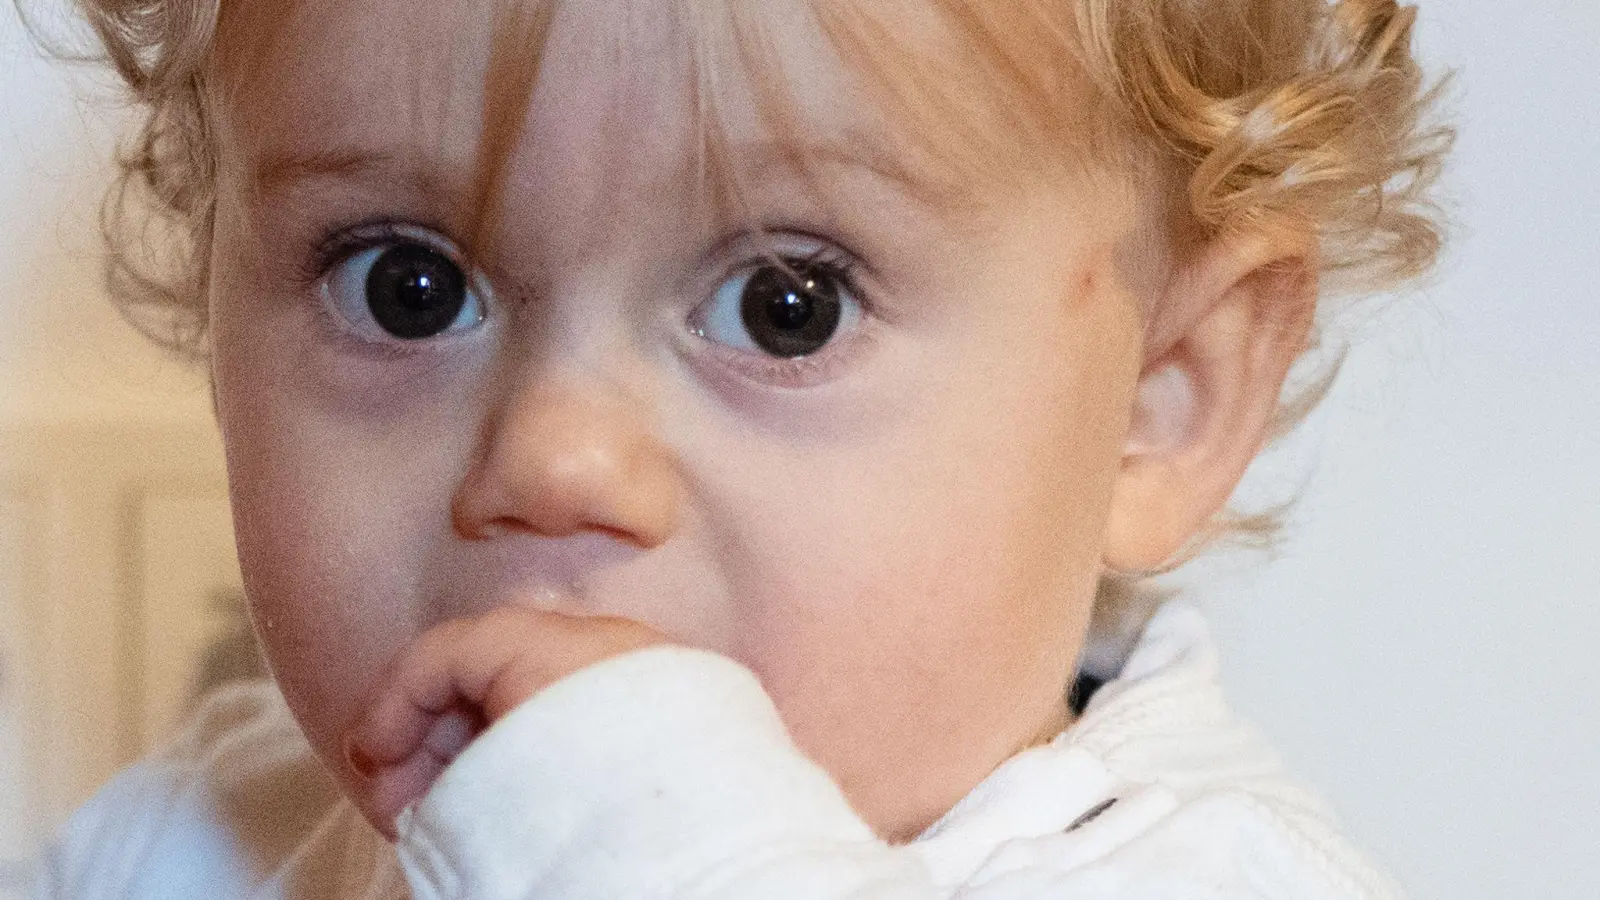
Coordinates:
<point>214,815</point>
<point>665,772</point>
<point>146,834</point>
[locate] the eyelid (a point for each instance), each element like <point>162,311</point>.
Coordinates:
<point>341,243</point>
<point>749,251</point>
<point>794,374</point>
<point>745,249</point>
<point>343,246</point>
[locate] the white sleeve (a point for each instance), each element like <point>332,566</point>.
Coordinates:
<point>664,772</point>
<point>667,773</point>
<point>151,832</point>
<point>215,815</point>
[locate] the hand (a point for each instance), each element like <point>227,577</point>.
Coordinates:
<point>459,678</point>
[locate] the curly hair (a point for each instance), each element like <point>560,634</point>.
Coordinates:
<point>1311,115</point>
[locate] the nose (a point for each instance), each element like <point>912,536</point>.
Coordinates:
<point>565,456</point>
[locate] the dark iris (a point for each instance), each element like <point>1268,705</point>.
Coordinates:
<point>791,311</point>
<point>414,292</point>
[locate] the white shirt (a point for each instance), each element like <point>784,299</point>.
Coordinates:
<point>667,773</point>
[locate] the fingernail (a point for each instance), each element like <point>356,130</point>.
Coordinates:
<point>364,765</point>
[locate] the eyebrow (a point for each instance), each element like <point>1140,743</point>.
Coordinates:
<point>279,169</point>
<point>853,150</point>
<point>440,184</point>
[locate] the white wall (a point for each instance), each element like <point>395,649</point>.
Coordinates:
<point>1421,649</point>
<point>1426,647</point>
<point>63,357</point>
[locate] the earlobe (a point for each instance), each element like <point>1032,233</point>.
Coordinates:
<point>1219,350</point>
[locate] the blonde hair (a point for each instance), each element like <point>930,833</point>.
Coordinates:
<point>1307,115</point>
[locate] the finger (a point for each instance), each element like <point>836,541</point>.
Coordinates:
<point>525,650</point>
<point>452,665</point>
<point>491,665</point>
<point>396,787</point>
<point>392,730</point>
<point>450,734</point>
<point>507,655</point>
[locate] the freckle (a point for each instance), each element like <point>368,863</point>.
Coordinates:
<point>1088,283</point>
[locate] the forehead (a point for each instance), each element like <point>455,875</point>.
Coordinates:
<point>318,83</point>
<point>948,97</point>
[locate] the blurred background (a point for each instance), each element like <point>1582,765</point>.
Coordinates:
<point>1422,646</point>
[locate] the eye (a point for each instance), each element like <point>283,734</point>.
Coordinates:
<point>786,308</point>
<point>402,290</point>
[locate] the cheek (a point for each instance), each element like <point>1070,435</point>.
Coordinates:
<point>928,568</point>
<point>337,521</point>
<point>927,607</point>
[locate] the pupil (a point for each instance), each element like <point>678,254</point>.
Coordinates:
<point>791,312</point>
<point>415,293</point>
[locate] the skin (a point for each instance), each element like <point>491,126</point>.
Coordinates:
<point>901,537</point>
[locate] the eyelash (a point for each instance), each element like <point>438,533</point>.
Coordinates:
<point>834,262</point>
<point>828,259</point>
<point>339,244</point>
<point>344,242</point>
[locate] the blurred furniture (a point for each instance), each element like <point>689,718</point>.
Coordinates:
<point>119,594</point>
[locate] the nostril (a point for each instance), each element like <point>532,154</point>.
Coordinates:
<point>503,526</point>
<point>507,525</point>
<point>618,534</point>
<point>469,530</point>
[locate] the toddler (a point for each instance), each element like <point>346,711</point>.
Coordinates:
<point>684,448</point>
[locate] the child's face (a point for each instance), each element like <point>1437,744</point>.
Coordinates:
<point>899,531</point>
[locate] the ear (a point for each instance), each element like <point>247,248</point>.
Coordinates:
<point>1234,317</point>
